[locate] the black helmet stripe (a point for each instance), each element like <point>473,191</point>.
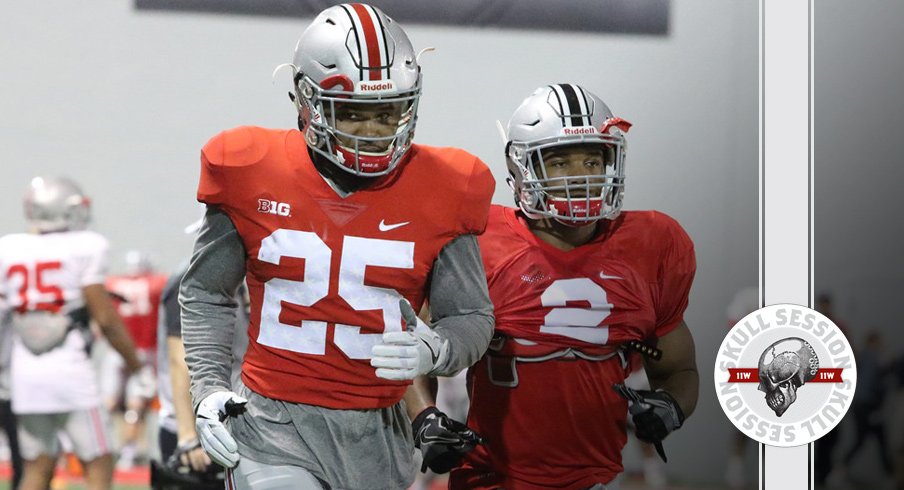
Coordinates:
<point>573,105</point>
<point>351,17</point>
<point>555,92</point>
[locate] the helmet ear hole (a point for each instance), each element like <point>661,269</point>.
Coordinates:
<point>306,90</point>
<point>311,138</point>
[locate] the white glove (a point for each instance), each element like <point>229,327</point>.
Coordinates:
<point>142,384</point>
<point>411,353</point>
<point>215,439</point>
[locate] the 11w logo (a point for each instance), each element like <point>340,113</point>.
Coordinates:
<point>273,207</point>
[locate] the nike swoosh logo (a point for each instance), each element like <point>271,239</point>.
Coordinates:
<point>384,227</point>
<point>433,354</point>
<point>604,276</point>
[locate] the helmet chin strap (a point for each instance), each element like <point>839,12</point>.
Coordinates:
<point>353,159</point>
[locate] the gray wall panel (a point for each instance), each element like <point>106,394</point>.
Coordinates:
<point>621,16</point>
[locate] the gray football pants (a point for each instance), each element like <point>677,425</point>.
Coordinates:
<point>252,475</point>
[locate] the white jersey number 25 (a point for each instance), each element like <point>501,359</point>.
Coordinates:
<point>357,254</point>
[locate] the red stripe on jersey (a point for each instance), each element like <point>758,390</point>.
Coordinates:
<point>370,39</point>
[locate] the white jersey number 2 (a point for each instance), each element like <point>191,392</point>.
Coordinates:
<point>577,323</point>
<point>357,254</point>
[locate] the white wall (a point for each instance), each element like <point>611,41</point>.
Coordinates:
<point>123,101</point>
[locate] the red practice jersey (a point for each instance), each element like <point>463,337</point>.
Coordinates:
<point>139,310</point>
<point>554,420</point>
<point>325,273</point>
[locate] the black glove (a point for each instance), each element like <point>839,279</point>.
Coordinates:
<point>443,442</point>
<point>655,414</point>
<point>174,474</point>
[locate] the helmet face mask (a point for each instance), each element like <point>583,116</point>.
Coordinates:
<point>56,204</point>
<point>355,61</point>
<point>543,127</point>
<point>363,136</point>
<point>572,198</point>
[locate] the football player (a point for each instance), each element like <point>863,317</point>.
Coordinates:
<point>181,453</point>
<point>576,284</point>
<point>340,227</point>
<point>53,281</point>
<point>7,417</point>
<point>140,287</point>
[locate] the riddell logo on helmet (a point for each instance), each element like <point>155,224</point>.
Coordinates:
<point>580,130</point>
<point>380,86</point>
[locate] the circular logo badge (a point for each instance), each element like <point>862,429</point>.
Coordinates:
<point>785,375</point>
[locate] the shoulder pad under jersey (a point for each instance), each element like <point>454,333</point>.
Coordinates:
<point>237,147</point>
<point>225,160</point>
<point>468,182</point>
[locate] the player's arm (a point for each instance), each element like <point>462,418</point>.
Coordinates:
<point>421,395</point>
<point>674,380</point>
<point>676,372</point>
<point>207,297</point>
<point>102,310</point>
<point>186,434</point>
<point>460,304</point>
<point>185,418</point>
<point>443,442</point>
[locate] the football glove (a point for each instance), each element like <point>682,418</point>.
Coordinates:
<point>443,442</point>
<point>655,414</point>
<point>415,351</point>
<point>215,439</point>
<point>142,384</point>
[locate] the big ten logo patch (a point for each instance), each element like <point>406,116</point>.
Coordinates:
<point>273,207</point>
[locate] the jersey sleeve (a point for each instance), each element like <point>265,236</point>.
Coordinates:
<point>676,275</point>
<point>223,160</point>
<point>171,309</point>
<point>475,203</point>
<point>95,260</point>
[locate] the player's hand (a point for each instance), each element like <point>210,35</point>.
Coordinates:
<point>443,442</point>
<point>655,413</point>
<point>192,455</point>
<point>415,351</point>
<point>214,437</point>
<point>142,384</point>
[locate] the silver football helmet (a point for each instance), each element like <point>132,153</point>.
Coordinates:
<point>556,116</point>
<point>138,262</point>
<point>56,204</point>
<point>355,56</point>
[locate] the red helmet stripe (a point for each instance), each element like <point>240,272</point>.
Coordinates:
<point>374,58</point>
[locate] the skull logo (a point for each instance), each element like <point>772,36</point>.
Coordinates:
<point>784,367</point>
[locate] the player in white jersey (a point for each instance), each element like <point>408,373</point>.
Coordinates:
<point>52,279</point>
